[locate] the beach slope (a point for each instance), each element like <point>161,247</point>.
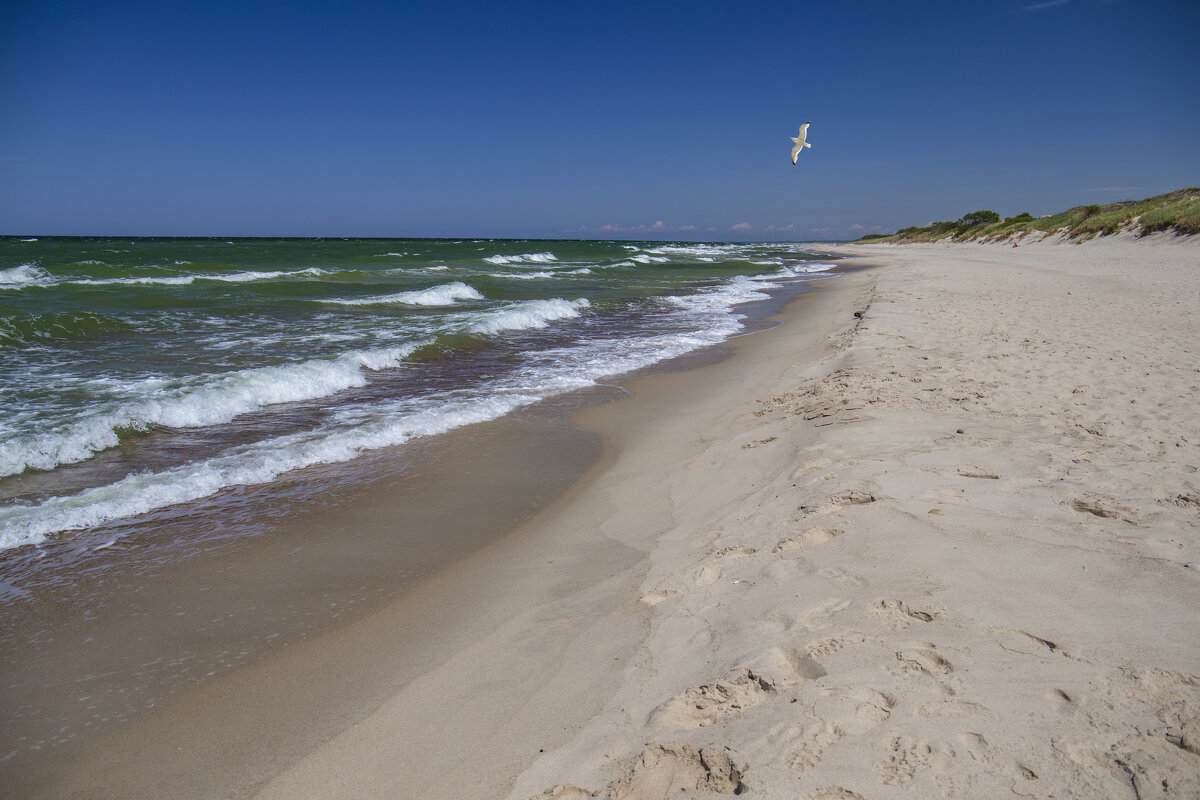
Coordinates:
<point>935,536</point>
<point>957,556</point>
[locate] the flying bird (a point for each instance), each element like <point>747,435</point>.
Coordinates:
<point>800,143</point>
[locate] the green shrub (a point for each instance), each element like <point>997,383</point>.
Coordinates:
<point>976,218</point>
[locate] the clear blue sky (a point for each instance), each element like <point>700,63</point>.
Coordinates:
<point>598,119</point>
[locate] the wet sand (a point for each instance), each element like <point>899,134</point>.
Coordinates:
<point>122,643</point>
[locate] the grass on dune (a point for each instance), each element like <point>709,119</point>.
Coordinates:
<point>1177,211</point>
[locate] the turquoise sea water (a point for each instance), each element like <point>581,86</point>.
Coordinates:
<point>137,374</point>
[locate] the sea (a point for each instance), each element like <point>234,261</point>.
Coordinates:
<point>141,375</point>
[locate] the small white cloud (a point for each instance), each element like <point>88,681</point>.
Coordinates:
<point>1048,4</point>
<point>780,228</point>
<point>1112,189</point>
<point>857,227</point>
<point>657,227</point>
<point>741,226</point>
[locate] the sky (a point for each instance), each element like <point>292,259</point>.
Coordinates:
<point>608,120</point>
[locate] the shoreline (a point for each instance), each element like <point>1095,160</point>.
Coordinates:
<point>935,535</point>
<point>502,470</point>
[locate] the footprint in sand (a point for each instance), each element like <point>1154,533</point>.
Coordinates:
<point>657,596</point>
<point>827,647</point>
<point>789,666</point>
<point>816,738</point>
<point>839,501</point>
<point>665,770</point>
<point>711,570</point>
<point>951,708</point>
<point>898,614</point>
<point>811,467</point>
<point>841,577</point>
<point>923,661</point>
<point>834,793</point>
<point>818,617</point>
<point>809,538</point>
<point>977,472</point>
<point>701,706</point>
<point>906,756</point>
<point>841,713</point>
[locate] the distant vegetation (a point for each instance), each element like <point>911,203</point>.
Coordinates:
<point>1177,211</point>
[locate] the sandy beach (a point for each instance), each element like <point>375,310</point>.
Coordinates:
<point>945,548</point>
<point>935,535</point>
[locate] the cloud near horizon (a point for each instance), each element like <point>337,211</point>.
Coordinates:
<point>657,227</point>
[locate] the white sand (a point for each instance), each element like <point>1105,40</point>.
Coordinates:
<point>948,550</point>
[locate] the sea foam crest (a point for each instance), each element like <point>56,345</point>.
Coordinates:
<point>257,463</point>
<point>23,275</point>
<point>528,314</point>
<point>796,270</point>
<point>522,276</point>
<point>523,258</point>
<point>740,289</point>
<point>443,295</point>
<point>211,401</point>
<point>187,280</point>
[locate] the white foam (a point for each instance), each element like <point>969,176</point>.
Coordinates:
<point>740,289</point>
<point>245,277</point>
<point>23,275</point>
<point>211,400</point>
<point>528,314</point>
<point>521,276</point>
<point>796,270</point>
<point>181,280</point>
<point>643,258</point>
<point>700,252</point>
<point>445,295</point>
<point>695,321</point>
<point>523,258</point>
<point>261,462</point>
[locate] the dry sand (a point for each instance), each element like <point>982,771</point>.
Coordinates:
<point>948,549</point>
<point>935,536</point>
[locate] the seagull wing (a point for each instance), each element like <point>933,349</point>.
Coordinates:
<point>799,140</point>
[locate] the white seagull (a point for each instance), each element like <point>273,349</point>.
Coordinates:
<point>800,143</point>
